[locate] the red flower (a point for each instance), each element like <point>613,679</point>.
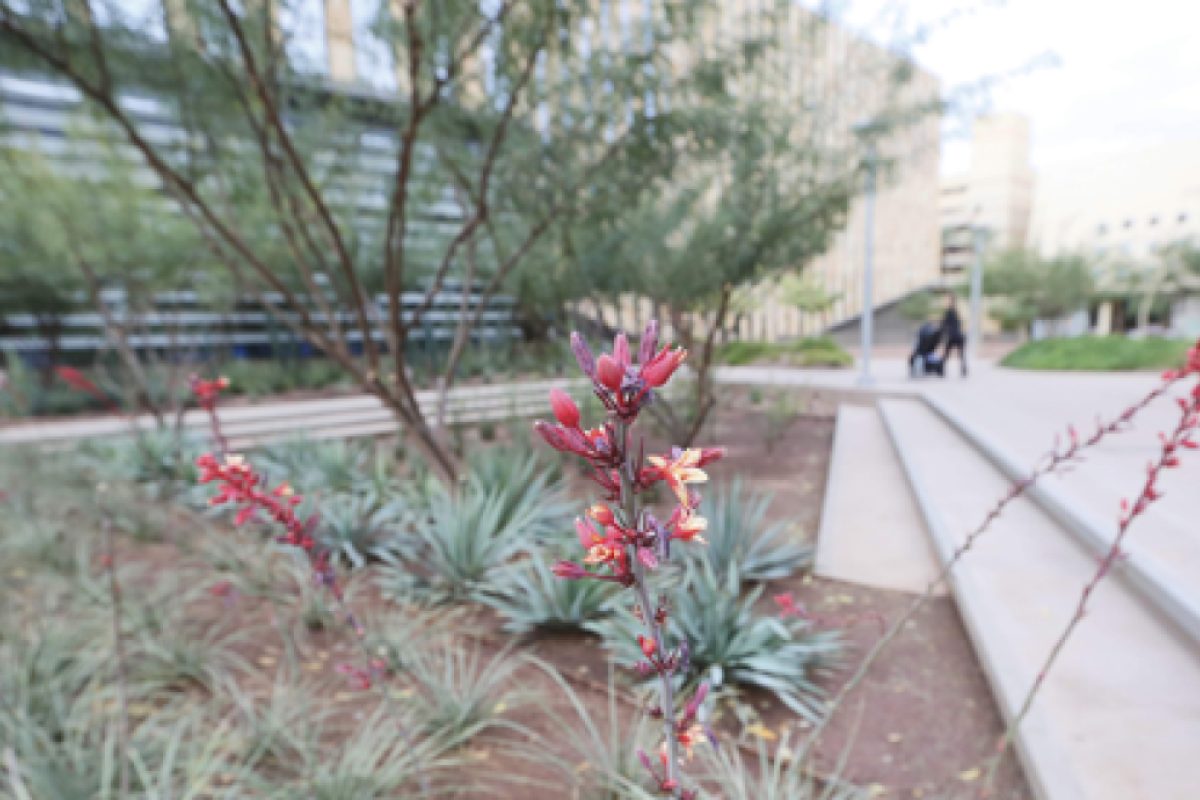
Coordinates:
<point>621,350</point>
<point>602,514</point>
<point>660,368</point>
<point>648,645</point>
<point>207,392</point>
<point>609,373</point>
<point>683,469</point>
<point>687,526</point>
<point>565,410</point>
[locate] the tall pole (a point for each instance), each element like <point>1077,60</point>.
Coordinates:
<point>868,306</point>
<point>979,236</point>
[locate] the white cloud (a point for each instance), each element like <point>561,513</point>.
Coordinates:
<point>1127,74</point>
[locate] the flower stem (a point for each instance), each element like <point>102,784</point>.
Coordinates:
<point>119,651</point>
<point>629,503</point>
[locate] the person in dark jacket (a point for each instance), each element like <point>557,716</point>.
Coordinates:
<point>924,359</point>
<point>952,330</point>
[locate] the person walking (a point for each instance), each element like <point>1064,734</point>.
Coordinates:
<point>953,332</point>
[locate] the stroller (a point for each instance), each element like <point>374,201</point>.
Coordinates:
<point>924,359</point>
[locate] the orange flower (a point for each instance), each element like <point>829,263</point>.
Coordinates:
<point>680,471</point>
<point>689,526</point>
<point>690,738</point>
<point>603,553</point>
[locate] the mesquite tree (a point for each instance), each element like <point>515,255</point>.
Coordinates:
<point>763,191</point>
<point>331,203</point>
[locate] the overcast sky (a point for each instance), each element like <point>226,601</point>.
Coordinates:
<point>1128,73</point>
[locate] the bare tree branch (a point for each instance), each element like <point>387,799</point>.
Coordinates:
<point>480,198</point>
<point>301,170</point>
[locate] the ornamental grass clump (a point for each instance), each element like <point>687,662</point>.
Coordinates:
<point>624,543</point>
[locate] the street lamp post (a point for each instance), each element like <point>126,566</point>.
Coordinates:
<point>868,307</point>
<point>979,234</point>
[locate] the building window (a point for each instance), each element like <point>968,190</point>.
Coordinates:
<point>1128,223</point>
<point>372,51</point>
<point>303,26</point>
<point>1101,229</point>
<point>1153,221</point>
<point>1182,218</point>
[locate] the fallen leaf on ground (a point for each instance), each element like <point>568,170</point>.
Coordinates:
<point>761,731</point>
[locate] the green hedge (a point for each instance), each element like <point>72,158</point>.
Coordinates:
<point>816,352</point>
<point>1099,354</point>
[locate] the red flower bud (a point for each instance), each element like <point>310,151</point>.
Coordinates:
<point>609,372</point>
<point>663,366</point>
<point>551,434</point>
<point>602,514</point>
<point>649,646</point>
<point>621,350</point>
<point>565,410</point>
<point>587,535</point>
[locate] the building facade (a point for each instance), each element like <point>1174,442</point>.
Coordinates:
<point>996,194</point>
<point>824,74</point>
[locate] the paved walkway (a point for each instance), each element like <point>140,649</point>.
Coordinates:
<point>1026,410</point>
<point>1120,716</point>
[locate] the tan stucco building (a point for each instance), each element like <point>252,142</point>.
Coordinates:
<point>996,194</point>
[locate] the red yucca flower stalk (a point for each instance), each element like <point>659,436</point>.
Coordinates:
<point>81,383</point>
<point>622,541</point>
<point>241,486</point>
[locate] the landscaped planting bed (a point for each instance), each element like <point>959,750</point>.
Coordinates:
<point>240,675</point>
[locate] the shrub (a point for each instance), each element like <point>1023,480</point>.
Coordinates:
<point>812,352</point>
<point>782,413</point>
<point>741,542</point>
<point>1100,354</point>
<point>731,645</point>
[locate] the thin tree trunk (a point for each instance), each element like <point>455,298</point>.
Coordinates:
<point>461,336</point>
<point>704,395</point>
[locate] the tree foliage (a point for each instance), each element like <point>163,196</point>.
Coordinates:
<point>1030,286</point>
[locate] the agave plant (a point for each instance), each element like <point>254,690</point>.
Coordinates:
<point>527,488</point>
<point>41,543</point>
<point>603,763</point>
<point>462,545</point>
<point>731,645</point>
<point>378,759</point>
<point>533,598</point>
<point>334,466</point>
<point>355,527</point>
<point>160,459</point>
<point>775,776</point>
<point>460,694</point>
<point>79,758</point>
<point>740,540</point>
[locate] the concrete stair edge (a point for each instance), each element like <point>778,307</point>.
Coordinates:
<point>833,485</point>
<point>1160,590</point>
<point>1039,745</point>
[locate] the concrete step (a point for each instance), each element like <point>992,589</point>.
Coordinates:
<point>1163,556</point>
<point>872,532</point>
<point>1119,717</point>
